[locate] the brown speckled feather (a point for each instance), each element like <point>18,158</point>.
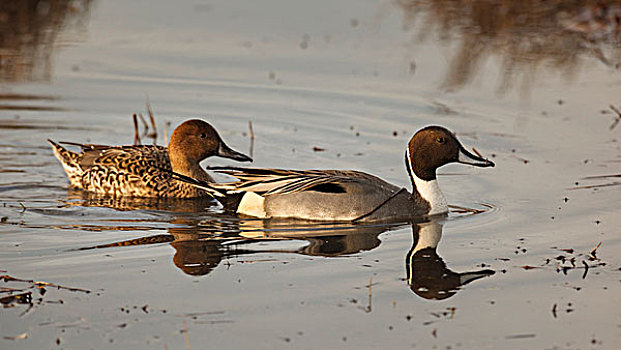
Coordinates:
<point>139,171</point>
<point>144,170</point>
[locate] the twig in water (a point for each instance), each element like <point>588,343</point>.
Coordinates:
<point>23,207</point>
<point>39,284</point>
<point>153,135</point>
<point>144,122</point>
<point>251,138</point>
<point>186,336</point>
<point>476,152</point>
<point>479,154</point>
<point>617,118</point>
<point>593,254</point>
<point>586,269</point>
<point>601,176</point>
<point>17,337</point>
<point>462,210</point>
<point>368,308</point>
<point>21,298</point>
<point>586,187</point>
<point>166,125</point>
<point>136,134</point>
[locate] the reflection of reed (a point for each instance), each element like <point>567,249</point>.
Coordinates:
<point>525,34</point>
<point>29,30</point>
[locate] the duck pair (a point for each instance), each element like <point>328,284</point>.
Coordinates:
<point>327,195</point>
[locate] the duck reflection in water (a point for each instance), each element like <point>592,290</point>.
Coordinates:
<point>198,254</point>
<point>202,246</point>
<point>427,274</point>
<point>79,198</point>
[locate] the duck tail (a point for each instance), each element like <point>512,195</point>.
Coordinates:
<point>63,154</point>
<point>69,161</point>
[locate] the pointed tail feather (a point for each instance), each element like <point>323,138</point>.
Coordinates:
<point>55,146</point>
<point>66,157</point>
<point>85,146</point>
<point>70,162</point>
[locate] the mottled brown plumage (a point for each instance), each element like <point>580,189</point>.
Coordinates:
<point>144,171</point>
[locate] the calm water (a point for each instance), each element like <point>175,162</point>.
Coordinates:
<point>529,86</point>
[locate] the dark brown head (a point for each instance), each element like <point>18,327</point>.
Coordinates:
<point>195,140</point>
<point>435,146</point>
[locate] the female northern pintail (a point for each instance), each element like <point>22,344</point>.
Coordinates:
<point>344,195</point>
<point>144,171</point>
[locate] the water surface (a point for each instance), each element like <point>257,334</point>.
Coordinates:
<point>530,87</point>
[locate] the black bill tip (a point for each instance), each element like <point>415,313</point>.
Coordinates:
<point>227,152</point>
<point>466,157</point>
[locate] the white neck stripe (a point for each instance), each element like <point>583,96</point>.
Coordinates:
<point>429,190</point>
<point>407,153</point>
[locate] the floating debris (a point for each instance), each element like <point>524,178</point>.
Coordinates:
<point>464,210</point>
<point>152,135</point>
<point>41,284</point>
<point>21,298</point>
<point>368,309</point>
<point>146,133</point>
<point>586,269</point>
<point>10,297</point>
<point>617,118</point>
<point>136,133</point>
<point>520,336</point>
<point>185,335</point>
<point>18,337</point>
<point>251,130</point>
<point>593,253</point>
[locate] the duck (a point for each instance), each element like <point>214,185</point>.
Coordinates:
<point>345,195</point>
<point>144,170</point>
<point>426,272</point>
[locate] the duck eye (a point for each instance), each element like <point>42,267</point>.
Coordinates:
<point>441,140</point>
<point>203,135</point>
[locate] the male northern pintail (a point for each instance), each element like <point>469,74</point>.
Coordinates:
<point>144,170</point>
<point>344,195</point>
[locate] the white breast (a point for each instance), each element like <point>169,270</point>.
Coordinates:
<point>430,191</point>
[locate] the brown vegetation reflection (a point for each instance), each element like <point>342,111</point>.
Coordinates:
<point>526,35</point>
<point>29,32</point>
